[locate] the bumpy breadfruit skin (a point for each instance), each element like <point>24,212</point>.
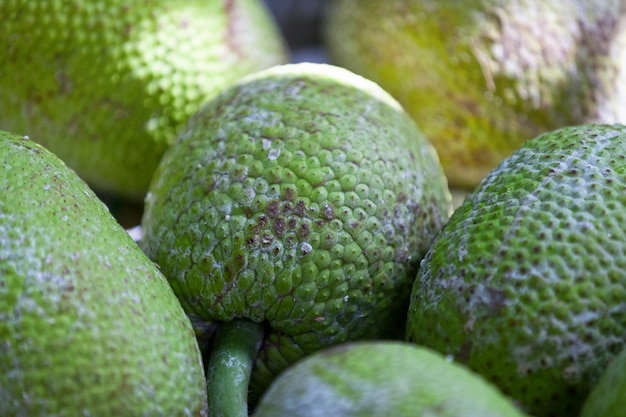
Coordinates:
<point>106,84</point>
<point>303,197</point>
<point>526,284</point>
<point>88,325</point>
<point>480,77</point>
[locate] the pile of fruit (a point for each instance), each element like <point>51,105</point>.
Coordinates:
<point>428,222</point>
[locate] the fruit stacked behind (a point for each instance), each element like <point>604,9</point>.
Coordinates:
<point>530,294</point>
<point>106,84</point>
<point>480,77</point>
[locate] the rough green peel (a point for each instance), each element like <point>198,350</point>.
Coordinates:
<point>526,284</point>
<point>302,198</point>
<point>88,325</point>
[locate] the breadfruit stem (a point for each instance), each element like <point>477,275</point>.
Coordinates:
<point>232,357</point>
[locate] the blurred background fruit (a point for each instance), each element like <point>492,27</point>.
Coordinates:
<point>106,84</point>
<point>480,77</point>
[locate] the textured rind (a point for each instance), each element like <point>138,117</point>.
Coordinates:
<point>106,84</point>
<point>526,284</point>
<point>608,398</point>
<point>482,77</point>
<point>88,325</point>
<point>362,379</point>
<point>303,197</point>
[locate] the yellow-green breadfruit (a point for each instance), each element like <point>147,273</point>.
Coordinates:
<point>293,212</point>
<point>482,76</point>
<point>88,325</point>
<point>105,84</point>
<point>526,284</point>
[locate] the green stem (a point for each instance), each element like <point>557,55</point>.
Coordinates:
<point>235,348</point>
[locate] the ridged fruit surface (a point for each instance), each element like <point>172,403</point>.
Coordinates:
<point>526,284</point>
<point>369,379</point>
<point>88,325</point>
<point>481,77</point>
<point>303,198</point>
<point>106,84</point>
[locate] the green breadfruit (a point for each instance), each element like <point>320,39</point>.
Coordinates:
<point>526,284</point>
<point>106,84</point>
<point>302,200</point>
<point>481,77</point>
<point>381,378</point>
<point>88,325</point>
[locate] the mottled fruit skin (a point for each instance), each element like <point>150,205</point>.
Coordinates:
<point>106,84</point>
<point>481,77</point>
<point>526,284</point>
<point>303,197</point>
<point>382,378</point>
<point>608,397</point>
<point>88,325</point>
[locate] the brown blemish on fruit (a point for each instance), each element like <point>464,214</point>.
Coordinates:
<point>300,209</point>
<point>230,33</point>
<point>279,226</point>
<point>304,231</point>
<point>290,194</point>
<point>273,208</point>
<point>253,241</point>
